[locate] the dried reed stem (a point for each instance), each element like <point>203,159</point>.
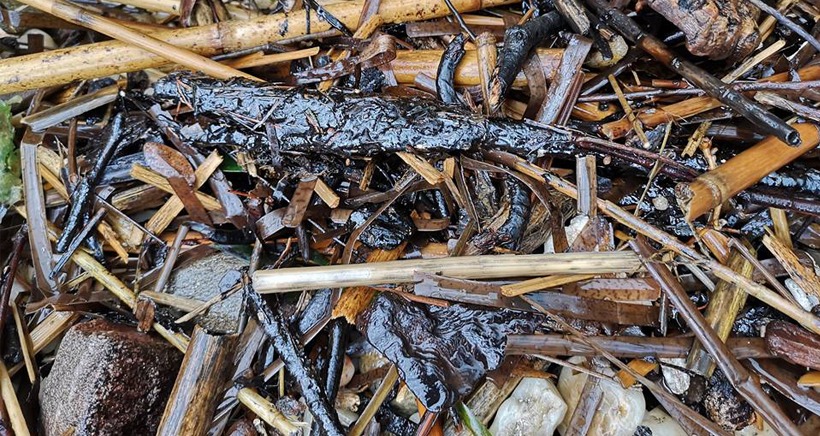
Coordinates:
<point>467,267</point>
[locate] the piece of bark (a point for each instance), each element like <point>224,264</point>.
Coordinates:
<point>718,29</point>
<point>793,344</point>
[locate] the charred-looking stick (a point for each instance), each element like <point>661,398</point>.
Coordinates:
<point>335,361</point>
<point>292,353</point>
<point>447,70</point>
<point>82,198</point>
<point>323,14</point>
<point>715,88</point>
<point>518,41</point>
<point>748,386</point>
<point>7,276</point>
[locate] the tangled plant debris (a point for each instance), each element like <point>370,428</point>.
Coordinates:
<point>374,217</point>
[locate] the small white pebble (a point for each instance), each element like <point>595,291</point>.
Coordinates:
<point>660,202</point>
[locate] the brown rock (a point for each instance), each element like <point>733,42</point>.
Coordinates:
<point>108,379</point>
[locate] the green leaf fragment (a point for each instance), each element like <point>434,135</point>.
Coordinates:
<point>11,187</point>
<point>469,420</point>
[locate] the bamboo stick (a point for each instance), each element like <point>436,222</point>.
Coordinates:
<point>9,397</point>
<point>83,17</point>
<point>408,64</point>
<point>724,305</point>
<point>115,57</point>
<point>198,387</point>
<point>262,60</point>
<point>467,267</point>
<point>715,187</point>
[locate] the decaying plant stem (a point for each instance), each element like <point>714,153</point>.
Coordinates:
<point>472,267</point>
<point>724,305</point>
<point>627,347</point>
<point>293,355</point>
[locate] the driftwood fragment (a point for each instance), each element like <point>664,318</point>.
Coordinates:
<point>198,387</point>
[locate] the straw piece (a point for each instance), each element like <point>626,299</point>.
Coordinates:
<point>145,175</point>
<point>177,302</point>
<point>540,283</point>
<point>276,58</point>
<point>466,267</point>
<point>9,397</point>
<point>113,284</point>
<point>805,277</point>
<point>47,331</point>
<point>26,346</point>
<point>166,214</point>
<point>267,411</point>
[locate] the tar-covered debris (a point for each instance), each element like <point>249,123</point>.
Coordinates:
<point>344,122</point>
<point>440,352</point>
<point>386,232</point>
